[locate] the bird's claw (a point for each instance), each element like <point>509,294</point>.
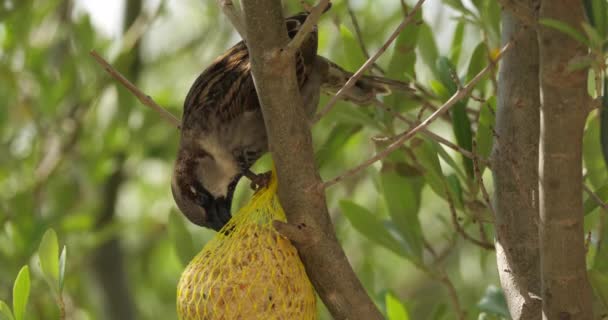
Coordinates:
<point>258,181</point>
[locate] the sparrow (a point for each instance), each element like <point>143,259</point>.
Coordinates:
<point>223,132</point>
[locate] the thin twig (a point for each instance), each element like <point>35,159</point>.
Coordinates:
<point>307,27</point>
<point>482,232</point>
<point>353,79</point>
<point>479,178</point>
<point>459,229</point>
<point>234,15</point>
<point>359,35</point>
<point>452,293</point>
<point>595,197</point>
<point>142,97</point>
<point>355,22</point>
<point>430,134</point>
<point>443,109</point>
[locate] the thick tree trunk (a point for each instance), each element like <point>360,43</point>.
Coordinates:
<point>515,169</point>
<point>273,70</point>
<point>566,292</point>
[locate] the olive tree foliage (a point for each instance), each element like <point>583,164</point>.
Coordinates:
<point>418,226</point>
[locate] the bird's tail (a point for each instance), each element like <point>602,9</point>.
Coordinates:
<point>365,89</point>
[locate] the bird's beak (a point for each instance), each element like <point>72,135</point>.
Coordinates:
<point>218,214</point>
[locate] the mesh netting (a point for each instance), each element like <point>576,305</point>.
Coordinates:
<point>250,272</point>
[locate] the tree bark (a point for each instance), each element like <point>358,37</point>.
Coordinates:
<point>290,143</point>
<point>515,169</point>
<point>566,292</point>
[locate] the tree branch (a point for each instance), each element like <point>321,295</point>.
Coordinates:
<point>595,197</point>
<point>515,171</point>
<point>459,95</point>
<point>234,15</point>
<point>566,293</point>
<point>307,27</point>
<point>273,70</point>
<point>353,79</point>
<point>431,134</point>
<point>142,97</point>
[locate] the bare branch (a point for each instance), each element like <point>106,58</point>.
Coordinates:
<point>142,97</point>
<point>595,197</point>
<point>307,27</point>
<point>234,15</point>
<point>452,293</point>
<point>458,227</point>
<point>359,34</point>
<point>459,95</point>
<point>479,178</point>
<point>351,82</point>
<point>431,134</point>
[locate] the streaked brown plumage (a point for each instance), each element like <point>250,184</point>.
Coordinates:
<point>223,131</point>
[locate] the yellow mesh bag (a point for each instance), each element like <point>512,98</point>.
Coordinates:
<point>250,272</point>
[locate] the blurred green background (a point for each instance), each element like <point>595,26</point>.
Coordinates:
<point>80,155</point>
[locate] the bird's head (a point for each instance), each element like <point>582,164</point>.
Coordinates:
<point>203,186</point>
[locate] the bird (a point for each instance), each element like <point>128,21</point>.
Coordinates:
<point>223,132</point>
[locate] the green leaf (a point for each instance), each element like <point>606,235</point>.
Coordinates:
<point>600,263</point>
<point>455,190</point>
<point>21,292</point>
<point>440,89</point>
<point>593,36</point>
<point>48,252</point>
<point>565,28</point>
<point>5,311</point>
<point>463,133</point>
<point>403,58</point>
<point>604,125</point>
<point>427,47</point>
<point>439,312</point>
<point>395,310</point>
<point>371,227</point>
<point>477,62</point>
<point>460,120</point>
<point>344,112</point>
<point>402,195</point>
<point>599,283</point>
<point>459,6</point>
<point>457,42</point>
<point>446,73</point>
<point>596,12</point>
<point>580,62</point>
<point>402,63</point>
<point>597,172</point>
<point>337,139</point>
<point>352,49</point>
<point>181,238</point>
<point>62,262</point>
<point>493,301</point>
<point>448,159</point>
<point>600,10</point>
<point>428,159</point>
<point>591,204</point>
<point>489,15</point>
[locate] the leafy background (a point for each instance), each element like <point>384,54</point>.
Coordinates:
<point>85,169</point>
